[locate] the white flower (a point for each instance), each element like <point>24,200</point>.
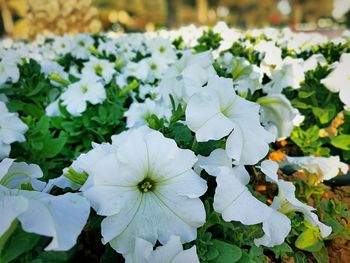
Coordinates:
<point>11,130</point>
<point>312,62</point>
<point>339,80</point>
<point>186,77</point>
<point>290,74</point>
<point>99,69</point>
<point>171,252</point>
<point>217,112</point>
<point>82,165</point>
<point>272,56</point>
<point>277,115</point>
<point>162,47</point>
<point>8,67</point>
<point>60,217</point>
<point>233,199</point>
<point>81,45</point>
<point>276,228</point>
<point>62,45</point>
<point>286,202</point>
<point>77,95</point>
<point>108,46</point>
<point>14,174</point>
<point>157,66</point>
<point>53,109</point>
<point>137,69</point>
<point>246,77</point>
<point>270,168</point>
<point>138,113</point>
<point>324,167</point>
<point>211,164</point>
<point>146,189</point>
<point>229,35</point>
<point>48,67</point>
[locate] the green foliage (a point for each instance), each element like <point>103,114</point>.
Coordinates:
<point>53,142</point>
<point>209,40</point>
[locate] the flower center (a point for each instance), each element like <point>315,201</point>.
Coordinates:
<point>162,49</point>
<point>348,77</point>
<point>146,185</point>
<point>85,89</point>
<point>98,69</point>
<point>153,66</point>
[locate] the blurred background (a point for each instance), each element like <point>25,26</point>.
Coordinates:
<point>28,18</point>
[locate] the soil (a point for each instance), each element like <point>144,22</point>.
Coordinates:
<point>339,248</point>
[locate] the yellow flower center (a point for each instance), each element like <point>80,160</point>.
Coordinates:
<point>146,185</point>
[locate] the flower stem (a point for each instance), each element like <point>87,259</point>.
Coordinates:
<point>131,86</point>
<point>194,145</point>
<point>57,78</point>
<point>7,234</point>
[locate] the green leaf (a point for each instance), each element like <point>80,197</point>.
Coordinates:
<point>300,257</point>
<point>325,115</point>
<point>321,256</point>
<point>309,240</point>
<point>281,251</point>
<point>342,142</point>
<point>53,147</point>
<point>56,256</point>
<point>305,94</point>
<point>212,253</point>
<point>228,253</point>
<point>245,258</point>
<point>19,243</point>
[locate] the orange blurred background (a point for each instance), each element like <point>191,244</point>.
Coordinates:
<point>27,18</point>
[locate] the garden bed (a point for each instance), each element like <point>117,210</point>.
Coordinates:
<point>207,144</point>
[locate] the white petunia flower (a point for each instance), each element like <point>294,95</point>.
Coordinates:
<point>77,95</point>
<point>60,217</point>
<point>246,77</point>
<point>234,200</point>
<point>146,189</point>
<point>211,164</point>
<point>186,77</point>
<point>291,74</point>
<point>339,80</point>
<point>107,46</point>
<point>137,69</point>
<point>157,66</point>
<point>11,130</point>
<point>138,113</point>
<point>217,112</point>
<point>324,167</point>
<point>48,67</point>
<point>62,45</point>
<point>8,67</point>
<point>272,56</point>
<point>312,62</point>
<point>82,166</point>
<point>15,174</point>
<point>162,47</point>
<point>99,69</point>
<point>171,252</point>
<point>286,202</point>
<point>276,228</point>
<point>277,115</point>
<point>53,109</point>
<point>270,168</point>
<point>81,45</point>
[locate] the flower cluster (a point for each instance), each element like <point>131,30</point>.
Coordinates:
<point>168,137</point>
